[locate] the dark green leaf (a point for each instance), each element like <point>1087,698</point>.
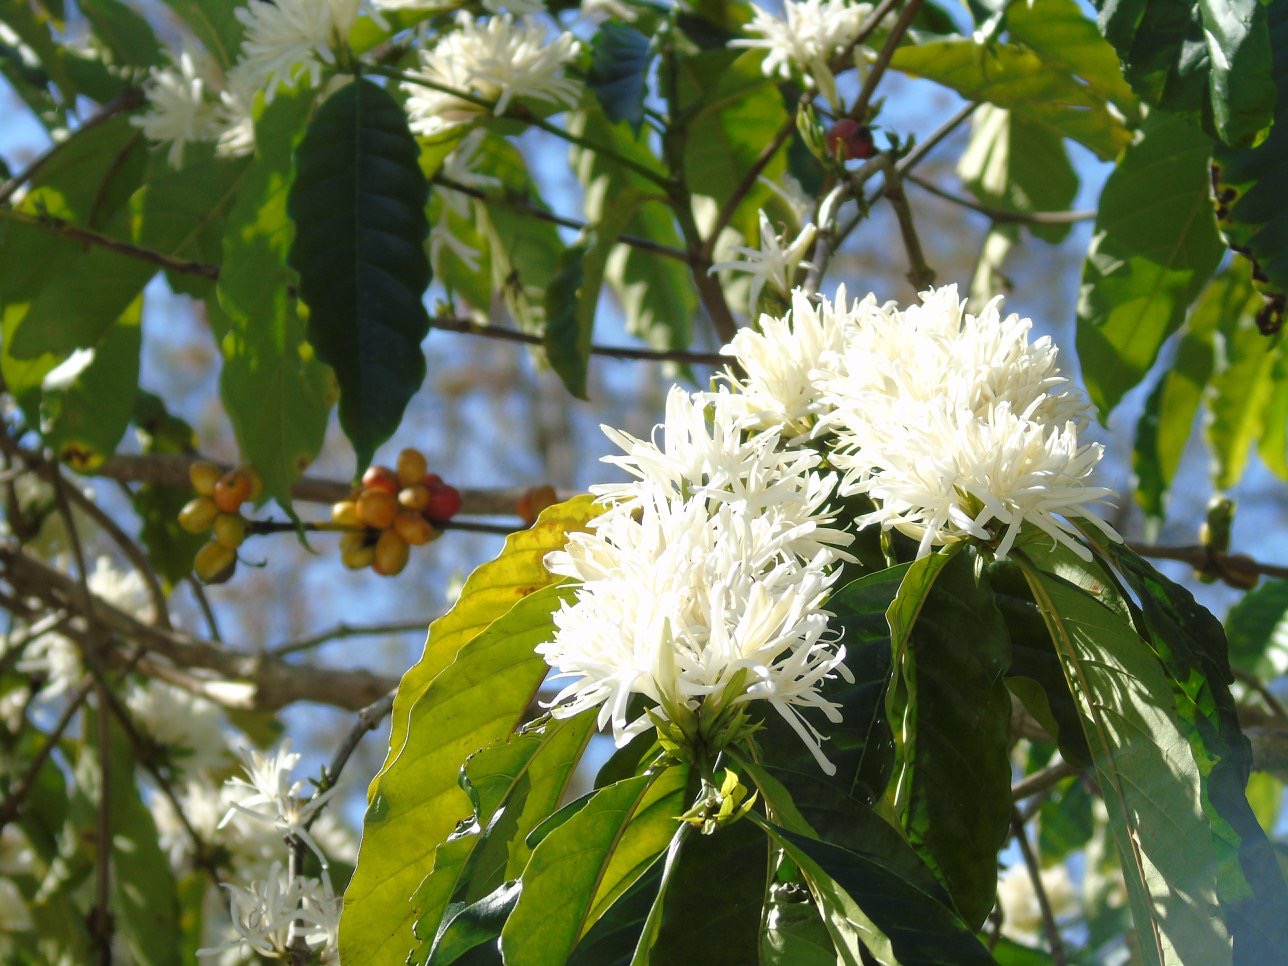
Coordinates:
<point>1191,644</point>
<point>1155,247</point>
<point>1258,629</point>
<point>1146,771</point>
<point>957,781</point>
<point>1168,421</point>
<point>358,204</point>
<point>416,802</point>
<point>127,36</point>
<point>214,24</point>
<point>170,548</point>
<point>1240,393</point>
<point>474,925</point>
<point>277,394</point>
<point>619,63</point>
<point>920,929</point>
<point>580,868</point>
<point>87,402</point>
<point>1015,165</point>
<point>611,941</point>
<point>712,907</point>
<point>1021,80</point>
<point>1208,59</point>
<point>1064,822</point>
<point>570,317</point>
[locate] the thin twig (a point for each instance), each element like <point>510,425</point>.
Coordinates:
<point>915,156</point>
<point>1000,215</point>
<point>1272,703</point>
<point>920,274</point>
<point>66,229</point>
<point>523,206</point>
<point>900,27</point>
<point>1058,955</point>
<point>265,527</point>
<point>12,804</point>
<point>369,719</point>
<point>467,326</point>
<point>1041,780</point>
<point>343,631</point>
<point>127,100</point>
<point>1233,568</point>
<point>208,612</point>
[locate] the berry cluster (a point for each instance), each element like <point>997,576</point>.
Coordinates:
<point>393,511</point>
<point>217,509</point>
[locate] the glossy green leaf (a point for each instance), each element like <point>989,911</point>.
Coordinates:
<point>656,292</point>
<point>475,924</point>
<point>278,396</point>
<point>1241,393</point>
<point>580,868</point>
<point>1167,423</point>
<point>612,940</point>
<point>1258,631</point>
<point>1208,59</point>
<point>955,786</point>
<point>1065,37</point>
<point>619,64</point>
<point>489,593</point>
<point>920,928</point>
<point>513,786</point>
<point>736,112</point>
<point>170,548</point>
<point>88,400</point>
<point>1014,165</point>
<point>570,318</point>
<point>1191,644</point>
<point>794,932</point>
<point>416,801</point>
<point>1147,773</point>
<point>358,204</point>
<point>1019,79</point>
<point>1154,249</point>
<point>710,911</point>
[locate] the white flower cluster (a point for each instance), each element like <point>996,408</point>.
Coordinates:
<point>285,42</point>
<point>805,39</point>
<point>955,425</point>
<point>494,61</point>
<point>702,583</point>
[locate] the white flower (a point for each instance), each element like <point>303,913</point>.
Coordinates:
<point>273,798</point>
<point>180,112</point>
<point>55,659</point>
<point>190,726</point>
<point>266,916</point>
<point>786,360</point>
<point>774,263</point>
<point>123,589</point>
<point>608,10</point>
<point>958,426</point>
<point>808,36</point>
<point>1021,914</point>
<point>495,60</point>
<point>702,584</point>
<point>458,168</point>
<point>235,118</point>
<point>514,6</point>
<point>289,39</point>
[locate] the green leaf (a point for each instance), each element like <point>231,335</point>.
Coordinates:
<point>1258,630</point>
<point>570,319</point>
<point>87,402</point>
<point>1155,247</point>
<point>275,391</point>
<point>1150,782</point>
<point>710,911</point>
<point>126,35</point>
<point>479,922</point>
<point>170,548</point>
<point>214,24</point>
<point>358,204</point>
<point>416,802</point>
<point>1241,393</point>
<point>1168,420</point>
<point>1191,644</point>
<point>612,940</point>
<point>1064,822</point>
<point>489,593</point>
<point>619,61</point>
<point>736,111</point>
<point>1208,59</point>
<point>656,292</point>
<point>580,868</point>
<point>956,780</point>
<point>1021,80</point>
<point>1017,166</point>
<point>1063,36</point>
<point>920,928</point>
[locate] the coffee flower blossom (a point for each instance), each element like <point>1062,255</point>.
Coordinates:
<point>290,39</point>
<point>495,60</point>
<point>805,39</point>
<point>702,586</point>
<point>774,263</point>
